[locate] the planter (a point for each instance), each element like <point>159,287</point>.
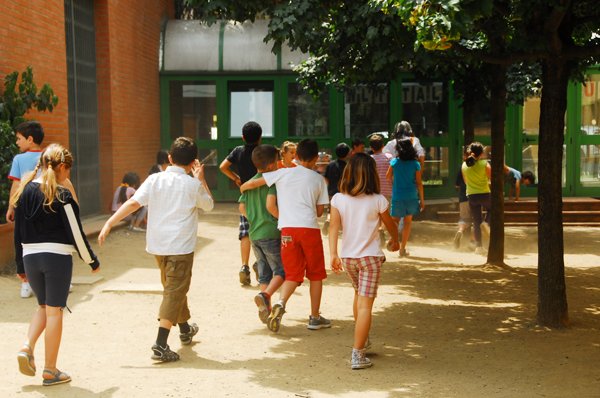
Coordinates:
<point>7,248</point>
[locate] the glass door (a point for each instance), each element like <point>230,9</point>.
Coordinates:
<point>587,136</point>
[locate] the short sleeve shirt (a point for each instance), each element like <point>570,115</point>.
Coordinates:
<point>23,163</point>
<point>360,223</point>
<point>404,186</point>
<point>241,157</point>
<point>333,173</point>
<point>262,224</point>
<point>476,177</point>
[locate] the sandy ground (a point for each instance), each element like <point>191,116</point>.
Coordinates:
<point>444,326</point>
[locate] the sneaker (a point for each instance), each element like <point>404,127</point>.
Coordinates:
<point>255,269</point>
<point>274,319</point>
<point>359,360</point>
<point>480,250</point>
<point>325,228</point>
<point>264,306</point>
<point>485,229</point>
<point>26,291</point>
<point>186,338</point>
<point>245,275</point>
<point>164,354</point>
<point>318,323</point>
<point>138,229</point>
<point>457,238</point>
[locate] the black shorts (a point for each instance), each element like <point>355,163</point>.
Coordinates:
<point>49,275</point>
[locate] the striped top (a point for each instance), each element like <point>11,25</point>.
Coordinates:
<point>383,163</point>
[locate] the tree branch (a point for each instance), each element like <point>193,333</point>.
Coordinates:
<point>581,52</point>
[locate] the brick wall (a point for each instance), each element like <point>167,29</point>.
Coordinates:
<point>33,33</point>
<point>127,45</point>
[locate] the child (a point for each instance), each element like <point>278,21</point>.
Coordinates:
<point>407,188</point>
<point>173,199</point>
<point>404,130</point>
<point>47,231</point>
<point>130,182</point>
<point>476,172</point>
<point>358,146</point>
<point>382,161</point>
<point>260,207</point>
<point>301,196</point>
<point>288,154</point>
<point>358,209</point>
<point>241,156</point>
<point>464,217</point>
<point>162,161</point>
<point>514,178</point>
<point>333,173</point>
<point>29,139</point>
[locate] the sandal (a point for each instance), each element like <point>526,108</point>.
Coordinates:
<point>58,377</point>
<point>26,361</point>
<point>404,253</point>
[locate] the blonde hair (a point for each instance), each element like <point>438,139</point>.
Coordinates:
<point>50,159</point>
<point>360,176</point>
<point>285,147</point>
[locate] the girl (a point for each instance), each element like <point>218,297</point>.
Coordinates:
<point>288,154</point>
<point>358,209</point>
<point>129,184</point>
<point>476,172</point>
<point>407,188</point>
<point>47,231</point>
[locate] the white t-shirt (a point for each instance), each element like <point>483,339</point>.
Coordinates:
<point>173,199</point>
<point>299,191</point>
<point>390,147</point>
<point>360,223</point>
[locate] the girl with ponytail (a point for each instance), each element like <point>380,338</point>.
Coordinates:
<point>47,232</point>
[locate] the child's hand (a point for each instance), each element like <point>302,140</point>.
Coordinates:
<point>393,245</point>
<point>103,233</point>
<point>336,264</point>
<point>198,170</point>
<point>422,205</point>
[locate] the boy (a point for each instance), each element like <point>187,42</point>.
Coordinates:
<point>29,139</point>
<point>260,207</point>
<point>333,173</point>
<point>241,156</point>
<point>173,199</point>
<point>382,162</point>
<point>514,178</point>
<point>358,146</point>
<point>301,197</point>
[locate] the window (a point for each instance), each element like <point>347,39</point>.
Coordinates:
<point>307,116</point>
<point>366,110</point>
<point>425,107</point>
<point>250,101</point>
<point>193,110</point>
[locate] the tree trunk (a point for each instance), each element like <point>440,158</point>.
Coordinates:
<point>498,111</point>
<point>468,107</point>
<point>552,297</point>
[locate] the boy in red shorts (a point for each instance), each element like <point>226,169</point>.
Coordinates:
<point>301,198</point>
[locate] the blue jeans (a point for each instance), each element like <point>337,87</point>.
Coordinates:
<point>268,257</point>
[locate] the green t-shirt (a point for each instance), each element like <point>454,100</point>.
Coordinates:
<point>476,177</point>
<point>262,224</point>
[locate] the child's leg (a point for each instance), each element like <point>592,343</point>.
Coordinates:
<point>406,231</point>
<point>364,308</point>
<point>245,250</point>
<point>316,290</point>
<point>475,208</point>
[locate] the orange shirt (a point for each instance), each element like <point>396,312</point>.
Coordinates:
<point>280,164</point>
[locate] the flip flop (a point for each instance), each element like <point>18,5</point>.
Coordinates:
<point>26,362</point>
<point>58,377</point>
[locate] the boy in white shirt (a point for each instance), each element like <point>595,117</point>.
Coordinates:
<point>301,198</point>
<point>173,199</point>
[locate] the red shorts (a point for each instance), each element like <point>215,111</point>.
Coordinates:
<point>302,254</point>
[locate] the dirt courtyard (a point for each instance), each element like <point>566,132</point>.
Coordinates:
<point>443,326</point>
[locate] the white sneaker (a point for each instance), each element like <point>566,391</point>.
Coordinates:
<point>26,291</point>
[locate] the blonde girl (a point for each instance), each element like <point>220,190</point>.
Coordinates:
<point>358,209</point>
<point>288,154</point>
<point>47,231</point>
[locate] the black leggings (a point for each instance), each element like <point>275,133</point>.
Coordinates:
<point>49,275</point>
<point>477,203</point>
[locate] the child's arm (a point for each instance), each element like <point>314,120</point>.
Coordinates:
<point>69,185</point>
<point>320,210</point>
<point>389,174</point>
<point>517,190</point>
<point>392,228</point>
<point>272,205</point>
<point>242,209</point>
<point>335,221</point>
<point>126,209</point>
<point>10,213</point>
<point>206,202</point>
<point>420,189</point>
<point>225,168</point>
<point>251,184</point>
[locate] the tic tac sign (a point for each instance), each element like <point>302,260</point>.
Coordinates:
<point>419,93</point>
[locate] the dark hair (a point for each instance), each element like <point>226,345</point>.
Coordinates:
<point>402,129</point>
<point>475,149</point>
<point>342,150</point>
<point>183,151</point>
<point>251,132</point>
<point>528,175</point>
<point>162,157</point>
<point>31,129</point>
<point>405,149</point>
<point>376,142</point>
<point>264,155</point>
<point>360,176</point>
<point>357,142</point>
<point>130,179</point>
<point>307,149</point>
